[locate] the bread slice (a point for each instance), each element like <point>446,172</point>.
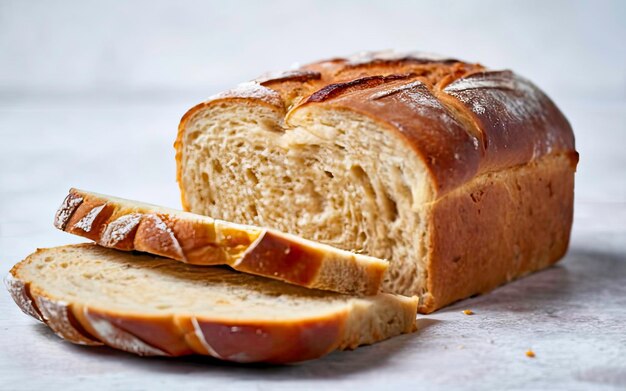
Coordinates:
<point>200,240</point>
<point>150,305</point>
<point>460,176</point>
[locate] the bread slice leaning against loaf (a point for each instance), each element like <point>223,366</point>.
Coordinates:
<point>128,225</point>
<point>149,305</point>
<point>462,177</point>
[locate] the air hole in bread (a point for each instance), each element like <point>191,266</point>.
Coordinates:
<point>193,136</point>
<point>362,238</point>
<point>391,208</point>
<point>272,126</point>
<point>402,187</point>
<point>254,213</point>
<point>363,179</point>
<point>217,167</point>
<point>252,176</point>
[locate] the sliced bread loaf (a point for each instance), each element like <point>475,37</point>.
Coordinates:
<point>460,176</point>
<point>200,240</point>
<point>149,305</point>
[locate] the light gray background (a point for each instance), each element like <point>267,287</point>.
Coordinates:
<point>90,96</point>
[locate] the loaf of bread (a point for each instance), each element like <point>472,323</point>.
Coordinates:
<point>460,176</point>
<point>149,305</point>
<point>129,225</point>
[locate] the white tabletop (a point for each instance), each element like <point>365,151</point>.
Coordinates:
<point>90,96</point>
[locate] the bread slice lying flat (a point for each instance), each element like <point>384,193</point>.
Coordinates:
<point>150,305</point>
<point>200,240</point>
<point>462,177</point>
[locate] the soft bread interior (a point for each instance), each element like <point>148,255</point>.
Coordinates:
<point>132,283</point>
<point>328,175</point>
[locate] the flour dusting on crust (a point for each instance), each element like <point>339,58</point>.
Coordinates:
<point>86,222</point>
<point>251,90</point>
<point>66,210</point>
<point>164,232</point>
<point>507,100</point>
<point>56,317</point>
<point>519,98</point>
<point>121,339</point>
<point>482,80</point>
<point>17,289</point>
<point>421,100</point>
<point>391,55</point>
<point>118,230</point>
<point>395,90</point>
<point>291,75</point>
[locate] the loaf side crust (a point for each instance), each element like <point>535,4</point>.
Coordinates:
<point>499,227</point>
<point>125,225</point>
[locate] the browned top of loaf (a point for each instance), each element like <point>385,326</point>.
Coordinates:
<point>461,118</point>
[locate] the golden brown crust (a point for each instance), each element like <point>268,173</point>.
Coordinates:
<point>517,123</point>
<point>498,228</point>
<point>461,119</point>
<point>429,67</point>
<point>334,90</point>
<point>296,75</point>
<point>275,255</point>
<point>199,240</point>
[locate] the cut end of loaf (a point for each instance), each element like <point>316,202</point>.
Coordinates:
<point>319,179</point>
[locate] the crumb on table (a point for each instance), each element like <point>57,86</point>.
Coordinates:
<point>468,312</point>
<point>530,353</point>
